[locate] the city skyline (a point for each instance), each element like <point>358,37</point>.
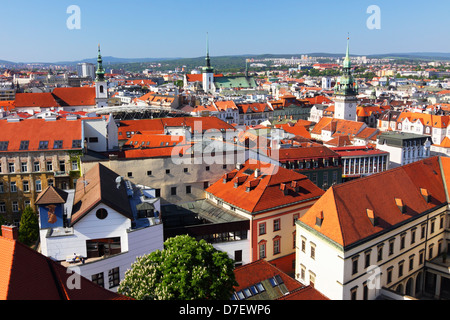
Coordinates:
<point>142,29</point>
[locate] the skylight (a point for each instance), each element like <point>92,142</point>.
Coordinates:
<point>57,144</point>
<point>24,145</point>
<point>4,145</point>
<point>43,144</point>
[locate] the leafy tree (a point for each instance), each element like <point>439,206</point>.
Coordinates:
<point>29,226</point>
<point>185,269</point>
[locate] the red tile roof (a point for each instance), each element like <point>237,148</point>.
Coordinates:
<point>98,185</point>
<point>158,125</point>
<point>268,194</point>
<point>345,206</point>
<point>36,130</point>
<point>252,273</point>
<point>60,97</point>
<point>27,275</point>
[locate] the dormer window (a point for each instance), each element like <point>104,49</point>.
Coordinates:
<point>400,205</point>
<point>372,217</point>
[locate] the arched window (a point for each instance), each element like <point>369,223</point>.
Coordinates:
<point>101,89</point>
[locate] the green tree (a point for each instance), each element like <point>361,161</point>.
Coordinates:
<point>185,269</point>
<point>29,227</point>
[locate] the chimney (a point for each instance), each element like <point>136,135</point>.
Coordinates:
<point>256,173</point>
<point>10,232</point>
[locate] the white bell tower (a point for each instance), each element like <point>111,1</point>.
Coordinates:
<point>208,72</point>
<point>101,85</point>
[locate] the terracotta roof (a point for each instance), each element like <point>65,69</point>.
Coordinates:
<point>268,194</point>
<point>306,293</point>
<point>158,125</point>
<point>51,195</point>
<point>313,152</point>
<point>253,107</point>
<point>148,140</point>
<point>345,206</point>
<point>259,272</point>
<point>36,130</point>
<point>26,274</point>
<point>97,186</point>
<point>60,97</point>
<point>340,141</point>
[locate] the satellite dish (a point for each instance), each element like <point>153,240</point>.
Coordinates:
<point>118,181</point>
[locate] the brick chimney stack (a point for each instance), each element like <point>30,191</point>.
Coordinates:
<point>10,232</point>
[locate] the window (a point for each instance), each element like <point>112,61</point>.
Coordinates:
<point>24,145</point>
<point>149,172</point>
<point>188,189</point>
<point>238,256</point>
<point>400,269</point>
<point>312,279</point>
<point>421,257</point>
<point>432,226</point>
<point>38,185</point>
<point>380,253</point>
<point>36,166</point>
<point>389,275</point>
<point>25,186</point>
<point>4,145</point>
<point>50,182</point>
<point>98,279</point>
<point>295,218</point>
<point>422,231</point>
<point>354,293</point>
<point>167,171</point>
<point>355,265</point>
<point>402,241</point>
<point>62,165</point>
<point>313,251</point>
<point>302,272</point>
<point>391,246</point>
<point>15,206</point>
<point>26,203</point>
<point>2,189</point>
<point>205,185</point>
<point>2,207</point>
<point>113,277</point>
<point>262,228</point>
<point>413,236</point>
<point>430,251</point>
<point>74,165</point>
<point>57,144</point>
<point>43,145</point>
<point>23,167</point>
<point>13,186</point>
<point>101,213</point>
<point>76,144</point>
<point>49,166</point>
<point>11,168</point>
<point>276,225</point>
<point>185,170</point>
<point>93,139</point>
<point>276,245</point>
<point>207,168</point>
<point>173,191</point>
<point>367,259</point>
<point>129,174</point>
<point>157,193</point>
<point>411,262</point>
<point>262,250</point>
<point>303,245</point>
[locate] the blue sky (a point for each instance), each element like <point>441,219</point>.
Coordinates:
<point>37,30</point>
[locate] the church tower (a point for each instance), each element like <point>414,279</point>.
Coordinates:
<point>345,92</point>
<point>208,72</point>
<point>101,85</point>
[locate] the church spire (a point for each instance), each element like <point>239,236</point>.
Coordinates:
<point>346,84</point>
<point>208,68</point>
<point>100,71</point>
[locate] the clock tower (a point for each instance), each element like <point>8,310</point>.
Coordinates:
<point>345,92</point>
<point>101,85</point>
